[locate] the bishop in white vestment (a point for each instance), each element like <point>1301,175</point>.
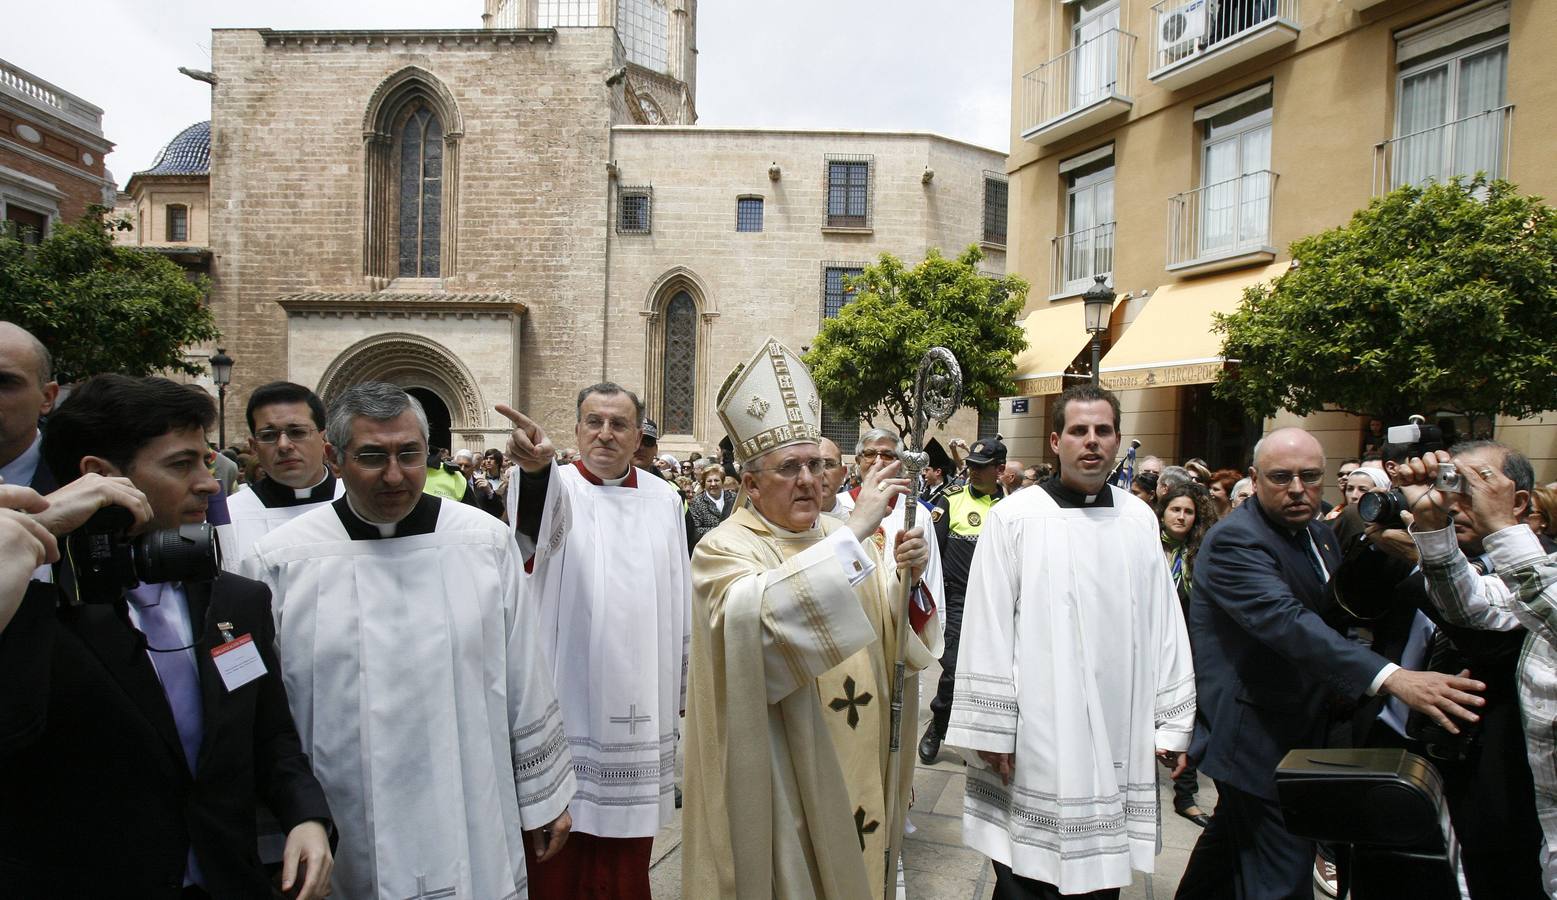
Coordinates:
<point>796,621</point>
<point>1074,668</point>
<point>412,667</point>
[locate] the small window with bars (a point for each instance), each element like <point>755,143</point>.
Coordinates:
<point>997,197</point>
<point>748,214</point>
<point>178,223</point>
<point>848,191</point>
<point>989,422</point>
<point>634,210</point>
<point>835,295</point>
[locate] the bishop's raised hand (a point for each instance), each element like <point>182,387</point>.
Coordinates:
<point>528,445</point>
<point>877,490</point>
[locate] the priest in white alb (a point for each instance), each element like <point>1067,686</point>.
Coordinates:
<point>1074,672</point>
<point>286,435</point>
<point>412,666</point>
<point>793,645</point>
<point>606,547</point>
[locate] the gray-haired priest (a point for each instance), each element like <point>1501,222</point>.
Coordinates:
<point>793,641</point>
<point>410,659</point>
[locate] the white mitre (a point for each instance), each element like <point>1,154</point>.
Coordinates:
<point>769,402</point>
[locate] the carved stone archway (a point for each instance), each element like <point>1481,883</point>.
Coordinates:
<point>408,360</point>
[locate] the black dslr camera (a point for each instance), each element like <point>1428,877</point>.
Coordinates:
<point>106,561</point>
<point>1383,508</point>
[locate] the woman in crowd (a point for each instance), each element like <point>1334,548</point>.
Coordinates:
<point>710,507</point>
<point>1221,489</point>
<point>1183,514</point>
<point>1543,512</point>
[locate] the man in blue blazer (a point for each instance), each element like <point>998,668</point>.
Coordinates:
<point>1269,669</point>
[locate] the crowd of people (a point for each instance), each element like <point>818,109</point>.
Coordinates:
<point>396,671</point>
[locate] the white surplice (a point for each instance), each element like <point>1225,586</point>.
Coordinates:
<point>422,699</point>
<point>612,590</point>
<point>1074,657</point>
<point>251,520</point>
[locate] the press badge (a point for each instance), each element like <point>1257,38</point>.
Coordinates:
<point>238,661</point>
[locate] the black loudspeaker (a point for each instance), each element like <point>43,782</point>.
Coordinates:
<point>1388,806</point>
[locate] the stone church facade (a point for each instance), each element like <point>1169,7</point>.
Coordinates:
<point>506,214</point>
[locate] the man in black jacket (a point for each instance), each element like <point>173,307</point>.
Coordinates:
<point>132,750</point>
<point>1269,669</point>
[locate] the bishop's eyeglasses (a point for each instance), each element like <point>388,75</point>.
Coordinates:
<point>791,470</point>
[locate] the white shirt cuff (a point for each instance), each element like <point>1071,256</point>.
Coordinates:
<point>850,555</point>
<point>1384,673</point>
<point>1436,546</point>
<point>1512,546</point>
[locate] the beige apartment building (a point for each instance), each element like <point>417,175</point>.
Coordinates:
<point>1179,147</point>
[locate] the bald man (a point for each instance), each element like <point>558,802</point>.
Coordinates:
<point>1268,665</point>
<point>833,503</point>
<point>27,392</point>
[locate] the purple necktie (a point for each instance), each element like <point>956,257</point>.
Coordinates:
<point>157,606</point>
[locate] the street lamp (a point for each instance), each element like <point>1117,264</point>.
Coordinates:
<point>1098,302</point>
<point>221,374</point>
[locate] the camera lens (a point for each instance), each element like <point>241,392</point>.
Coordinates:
<point>1382,508</point>
<point>187,554</point>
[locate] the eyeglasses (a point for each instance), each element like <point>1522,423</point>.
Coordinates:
<point>831,464</point>
<point>295,433</point>
<point>1282,478</point>
<point>378,459</point>
<point>600,423</point>
<point>872,454</point>
<point>791,470</point>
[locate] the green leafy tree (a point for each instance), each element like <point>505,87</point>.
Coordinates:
<point>864,361</point>
<point>1431,299</point>
<point>99,307</point>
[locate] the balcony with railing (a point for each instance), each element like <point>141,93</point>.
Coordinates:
<point>1195,39</point>
<point>28,88</point>
<point>1466,146</point>
<point>1081,87</point>
<point>1222,225</point>
<point>1078,256</point>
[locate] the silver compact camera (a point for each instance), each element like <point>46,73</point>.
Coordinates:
<point>1448,480</point>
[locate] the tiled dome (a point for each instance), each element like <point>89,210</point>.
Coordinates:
<point>187,154</point>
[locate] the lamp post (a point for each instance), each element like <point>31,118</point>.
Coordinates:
<point>1098,302</point>
<point>221,374</point>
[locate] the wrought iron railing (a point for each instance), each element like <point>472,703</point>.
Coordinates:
<point>1466,146</point>
<point>1079,255</point>
<point>1227,218</point>
<point>1094,70</point>
<point>1185,28</point>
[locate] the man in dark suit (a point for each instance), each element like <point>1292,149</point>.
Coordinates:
<point>131,751</point>
<point>1270,668</point>
<point>27,392</point>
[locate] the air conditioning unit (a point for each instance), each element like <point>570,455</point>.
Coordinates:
<point>1181,30</point>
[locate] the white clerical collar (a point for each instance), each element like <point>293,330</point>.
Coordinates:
<point>616,482</point>
<point>385,529</point>
<point>22,469</point>
<point>308,492</point>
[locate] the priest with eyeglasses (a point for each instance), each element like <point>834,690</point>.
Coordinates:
<point>412,665</point>
<point>794,629</point>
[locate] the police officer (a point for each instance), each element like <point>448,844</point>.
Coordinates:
<point>959,517</point>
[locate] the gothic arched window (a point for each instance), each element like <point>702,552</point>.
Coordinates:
<point>679,385</point>
<point>421,194</point>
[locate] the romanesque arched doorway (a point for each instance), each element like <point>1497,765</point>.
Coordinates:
<point>424,368</point>
<point>438,421</point>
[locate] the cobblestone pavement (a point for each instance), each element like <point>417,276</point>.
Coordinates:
<point>937,865</point>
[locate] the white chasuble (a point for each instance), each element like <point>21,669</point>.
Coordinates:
<point>421,696</point>
<point>788,713</point>
<point>611,587</point>
<point>1074,657</point>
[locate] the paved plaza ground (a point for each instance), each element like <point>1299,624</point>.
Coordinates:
<point>937,865</point>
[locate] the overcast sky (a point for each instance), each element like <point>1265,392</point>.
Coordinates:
<point>910,65</point>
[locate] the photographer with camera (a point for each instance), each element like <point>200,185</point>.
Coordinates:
<point>143,712</point>
<point>1466,493</point>
<point>29,545</point>
<point>1487,780</point>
